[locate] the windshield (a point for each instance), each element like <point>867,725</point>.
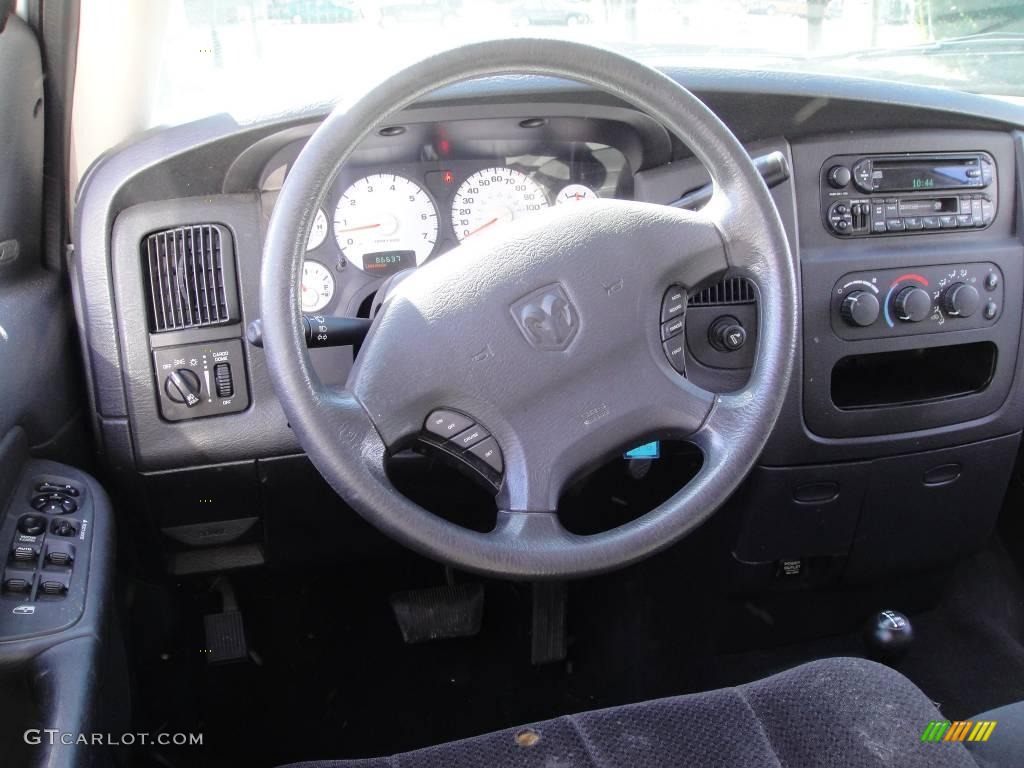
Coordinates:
<point>256,57</point>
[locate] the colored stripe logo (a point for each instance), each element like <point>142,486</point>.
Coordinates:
<point>958,730</point>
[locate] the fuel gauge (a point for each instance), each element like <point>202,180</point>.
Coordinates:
<point>317,286</point>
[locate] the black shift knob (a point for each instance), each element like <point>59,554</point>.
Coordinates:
<point>888,636</point>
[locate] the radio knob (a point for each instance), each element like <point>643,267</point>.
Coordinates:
<point>961,300</point>
<point>839,176</point>
<point>859,308</point>
<point>913,304</point>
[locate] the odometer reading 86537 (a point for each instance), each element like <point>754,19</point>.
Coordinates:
<point>385,213</point>
<point>494,196</point>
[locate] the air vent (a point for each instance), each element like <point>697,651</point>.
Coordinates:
<point>191,277</point>
<point>732,290</point>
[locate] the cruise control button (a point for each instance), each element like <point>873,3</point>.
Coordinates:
<point>675,352</point>
<point>447,424</point>
<point>489,453</point>
<point>671,328</point>
<point>471,436</point>
<point>674,304</point>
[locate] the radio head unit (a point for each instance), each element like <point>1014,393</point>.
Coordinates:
<point>872,195</point>
<point>912,173</point>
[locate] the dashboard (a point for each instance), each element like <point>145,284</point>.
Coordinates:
<point>417,191</point>
<point>903,212</point>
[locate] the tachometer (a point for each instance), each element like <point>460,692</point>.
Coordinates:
<point>385,214</point>
<point>317,286</point>
<point>493,196</point>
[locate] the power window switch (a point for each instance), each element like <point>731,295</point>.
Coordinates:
<point>53,587</point>
<point>17,585</point>
<point>60,554</point>
<point>24,554</point>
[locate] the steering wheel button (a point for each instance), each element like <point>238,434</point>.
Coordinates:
<point>471,436</point>
<point>674,304</point>
<point>674,351</point>
<point>671,329</point>
<point>489,453</point>
<point>447,424</point>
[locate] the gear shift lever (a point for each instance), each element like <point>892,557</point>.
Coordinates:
<point>888,636</point>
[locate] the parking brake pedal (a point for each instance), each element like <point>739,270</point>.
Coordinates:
<point>225,632</point>
<point>454,610</point>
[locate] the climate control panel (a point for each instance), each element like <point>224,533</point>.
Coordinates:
<point>904,302</point>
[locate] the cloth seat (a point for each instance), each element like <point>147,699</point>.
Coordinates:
<point>840,713</point>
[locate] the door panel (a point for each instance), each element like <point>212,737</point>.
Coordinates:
<point>39,384</point>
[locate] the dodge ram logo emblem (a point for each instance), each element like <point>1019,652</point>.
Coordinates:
<point>547,318</point>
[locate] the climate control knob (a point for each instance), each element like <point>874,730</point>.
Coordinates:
<point>961,300</point>
<point>912,304</point>
<point>859,308</point>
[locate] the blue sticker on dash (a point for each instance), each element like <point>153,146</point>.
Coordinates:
<point>645,451</point>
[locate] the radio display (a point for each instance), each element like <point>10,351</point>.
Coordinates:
<point>893,175</point>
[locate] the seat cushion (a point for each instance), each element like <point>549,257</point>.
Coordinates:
<point>834,712</point>
<point>1005,745</point>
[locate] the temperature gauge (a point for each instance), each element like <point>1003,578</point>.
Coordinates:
<point>575,193</point>
<point>317,286</point>
<point>318,232</point>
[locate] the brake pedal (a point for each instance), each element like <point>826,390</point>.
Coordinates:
<point>225,631</point>
<point>454,610</point>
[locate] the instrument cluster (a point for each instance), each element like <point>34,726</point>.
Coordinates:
<point>383,218</point>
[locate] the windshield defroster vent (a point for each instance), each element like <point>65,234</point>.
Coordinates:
<point>191,277</point>
<point>732,290</point>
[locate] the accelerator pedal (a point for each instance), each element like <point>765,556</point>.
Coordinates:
<point>438,613</point>
<point>225,631</point>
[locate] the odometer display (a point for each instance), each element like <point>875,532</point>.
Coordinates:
<point>385,213</point>
<point>494,196</point>
<point>388,262</point>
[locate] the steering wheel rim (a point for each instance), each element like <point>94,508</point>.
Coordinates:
<point>348,434</point>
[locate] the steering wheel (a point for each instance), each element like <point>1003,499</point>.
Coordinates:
<point>548,336</point>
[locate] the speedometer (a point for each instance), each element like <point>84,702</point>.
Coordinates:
<point>385,217</point>
<point>493,196</point>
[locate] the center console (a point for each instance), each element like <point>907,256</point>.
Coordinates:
<point>900,433</point>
